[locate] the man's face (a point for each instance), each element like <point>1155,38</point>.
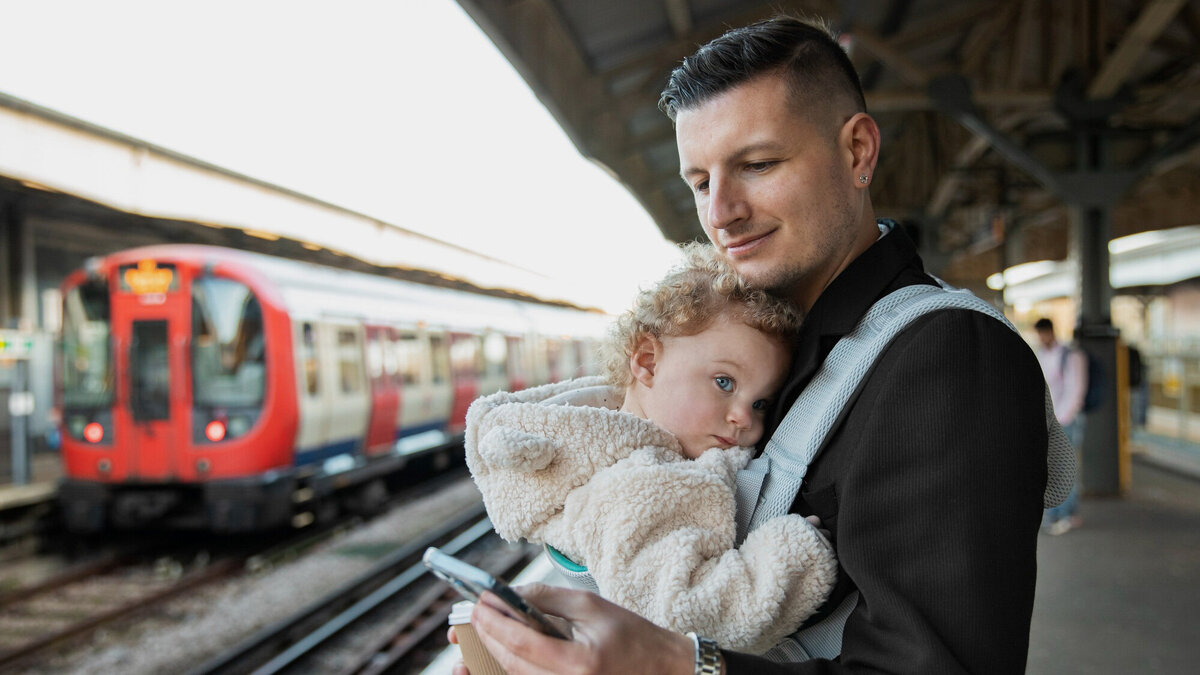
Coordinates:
<point>1046,337</point>
<point>773,187</point>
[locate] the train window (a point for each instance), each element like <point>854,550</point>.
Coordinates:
<point>495,353</point>
<point>149,371</point>
<point>516,365</point>
<point>391,356</point>
<point>228,344</point>
<point>86,347</point>
<point>308,355</point>
<point>374,356</point>
<point>349,355</point>
<point>464,355</point>
<point>580,362</point>
<point>553,358</point>
<point>408,354</point>
<point>439,358</point>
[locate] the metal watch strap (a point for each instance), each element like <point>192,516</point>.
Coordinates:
<point>708,655</point>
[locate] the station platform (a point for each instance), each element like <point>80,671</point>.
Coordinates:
<point>1114,596</point>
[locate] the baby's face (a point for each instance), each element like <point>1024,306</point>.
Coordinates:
<point>713,389</point>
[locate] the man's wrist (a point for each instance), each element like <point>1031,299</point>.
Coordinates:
<point>706,656</point>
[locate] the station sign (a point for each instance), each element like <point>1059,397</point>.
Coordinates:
<point>15,344</point>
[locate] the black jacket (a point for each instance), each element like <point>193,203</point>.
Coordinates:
<point>931,484</point>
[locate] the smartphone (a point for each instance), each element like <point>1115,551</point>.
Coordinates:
<point>471,582</point>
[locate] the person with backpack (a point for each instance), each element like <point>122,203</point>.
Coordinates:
<point>1067,375</point>
<point>934,450</point>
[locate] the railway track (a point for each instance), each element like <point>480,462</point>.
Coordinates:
<point>377,622</point>
<point>133,580</point>
<point>86,597</point>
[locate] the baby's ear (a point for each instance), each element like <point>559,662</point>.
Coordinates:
<point>644,359</point>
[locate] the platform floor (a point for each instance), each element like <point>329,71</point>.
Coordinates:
<point>1118,595</point>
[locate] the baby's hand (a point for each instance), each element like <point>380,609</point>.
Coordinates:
<point>816,522</point>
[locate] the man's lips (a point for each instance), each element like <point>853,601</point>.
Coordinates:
<point>745,245</point>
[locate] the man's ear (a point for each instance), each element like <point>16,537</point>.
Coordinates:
<point>861,139</point>
<point>644,359</point>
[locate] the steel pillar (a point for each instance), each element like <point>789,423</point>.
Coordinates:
<point>1100,467</point>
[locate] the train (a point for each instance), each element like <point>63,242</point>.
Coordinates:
<point>204,387</point>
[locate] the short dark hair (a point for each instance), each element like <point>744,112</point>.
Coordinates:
<point>805,51</point>
<point>1044,324</point>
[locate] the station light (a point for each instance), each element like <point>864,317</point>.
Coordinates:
<point>93,432</point>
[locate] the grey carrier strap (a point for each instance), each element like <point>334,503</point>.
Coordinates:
<point>768,486</point>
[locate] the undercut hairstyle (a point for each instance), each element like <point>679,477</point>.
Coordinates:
<point>687,301</point>
<point>804,51</point>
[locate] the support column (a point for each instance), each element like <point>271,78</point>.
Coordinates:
<point>1100,467</point>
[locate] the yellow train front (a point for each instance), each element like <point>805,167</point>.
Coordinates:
<point>219,389</point>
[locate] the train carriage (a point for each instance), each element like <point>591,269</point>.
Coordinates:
<point>202,386</point>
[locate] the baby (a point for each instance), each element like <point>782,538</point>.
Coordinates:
<point>632,474</point>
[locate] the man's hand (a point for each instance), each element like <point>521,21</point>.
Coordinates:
<point>607,639</point>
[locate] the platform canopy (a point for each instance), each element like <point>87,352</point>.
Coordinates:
<point>986,108</point>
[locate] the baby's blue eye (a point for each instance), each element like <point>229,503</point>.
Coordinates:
<point>760,405</point>
<point>724,383</point>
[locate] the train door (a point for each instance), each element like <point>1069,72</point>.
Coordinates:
<point>313,389</point>
<point>516,364</point>
<point>554,371</point>
<point>151,328</point>
<point>440,386</point>
<point>385,395</point>
<point>495,365</point>
<point>465,370</point>
<point>416,401</point>
<point>349,400</point>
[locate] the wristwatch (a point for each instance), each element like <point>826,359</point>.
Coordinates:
<point>708,655</point>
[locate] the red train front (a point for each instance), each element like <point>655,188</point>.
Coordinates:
<point>214,388</point>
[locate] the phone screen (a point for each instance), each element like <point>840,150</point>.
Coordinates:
<point>471,582</point>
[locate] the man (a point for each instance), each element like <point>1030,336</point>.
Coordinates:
<point>1066,375</point>
<point>931,485</point>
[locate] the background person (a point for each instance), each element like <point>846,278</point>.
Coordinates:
<point>1065,368</point>
<point>932,481</point>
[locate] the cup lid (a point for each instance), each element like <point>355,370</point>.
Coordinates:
<point>460,613</point>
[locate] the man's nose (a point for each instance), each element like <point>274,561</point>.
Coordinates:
<point>726,204</point>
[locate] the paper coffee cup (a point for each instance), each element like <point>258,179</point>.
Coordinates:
<point>475,656</point>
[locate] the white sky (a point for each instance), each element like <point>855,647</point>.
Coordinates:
<point>400,109</point>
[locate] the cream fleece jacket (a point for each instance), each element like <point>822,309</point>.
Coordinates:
<point>559,464</point>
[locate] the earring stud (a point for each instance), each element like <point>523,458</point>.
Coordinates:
<point>863,179</point>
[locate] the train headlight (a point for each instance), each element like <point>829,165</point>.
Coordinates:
<point>215,431</point>
<point>75,425</point>
<point>93,432</point>
<point>238,425</point>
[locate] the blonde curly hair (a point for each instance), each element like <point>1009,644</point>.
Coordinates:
<point>694,293</point>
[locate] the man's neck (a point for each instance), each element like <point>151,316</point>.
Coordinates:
<point>867,233</point>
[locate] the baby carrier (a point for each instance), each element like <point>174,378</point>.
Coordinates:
<point>768,485</point>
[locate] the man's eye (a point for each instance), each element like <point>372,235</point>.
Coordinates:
<point>761,405</point>
<point>759,166</point>
<point>724,383</point>
<point>702,186</point>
